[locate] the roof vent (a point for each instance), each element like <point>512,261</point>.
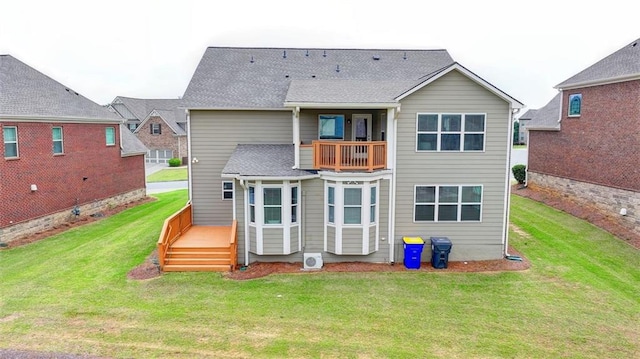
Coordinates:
<point>324,53</point>
<point>337,68</point>
<point>286,76</point>
<point>404,57</point>
<point>284,54</point>
<point>252,60</point>
<point>307,54</point>
<point>376,57</point>
<point>634,44</point>
<point>313,76</point>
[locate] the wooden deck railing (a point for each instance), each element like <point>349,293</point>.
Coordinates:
<point>233,243</point>
<point>172,229</point>
<point>349,155</point>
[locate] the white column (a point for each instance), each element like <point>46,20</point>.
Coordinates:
<point>296,136</point>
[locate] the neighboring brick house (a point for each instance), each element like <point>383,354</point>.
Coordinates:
<point>159,123</point>
<point>585,141</point>
<point>61,152</point>
<point>523,123</point>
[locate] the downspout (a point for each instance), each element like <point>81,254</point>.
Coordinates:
<point>392,188</point>
<point>246,223</point>
<point>507,190</point>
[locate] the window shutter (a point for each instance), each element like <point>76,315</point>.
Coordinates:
<point>159,129</point>
<point>151,128</point>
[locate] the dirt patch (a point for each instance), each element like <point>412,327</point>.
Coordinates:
<point>573,206</point>
<point>149,269</point>
<point>80,221</point>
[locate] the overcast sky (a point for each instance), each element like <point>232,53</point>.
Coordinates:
<point>150,49</point>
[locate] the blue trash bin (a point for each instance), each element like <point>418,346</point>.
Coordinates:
<point>412,252</point>
<point>440,249</point>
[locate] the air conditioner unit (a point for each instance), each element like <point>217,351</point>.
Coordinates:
<point>312,261</point>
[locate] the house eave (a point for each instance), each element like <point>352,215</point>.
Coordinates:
<point>342,105</point>
<point>608,81</point>
<point>543,128</point>
<point>236,109</point>
<point>59,119</point>
<point>269,178</point>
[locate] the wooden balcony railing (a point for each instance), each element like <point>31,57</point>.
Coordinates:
<point>172,229</point>
<point>233,244</point>
<point>348,156</point>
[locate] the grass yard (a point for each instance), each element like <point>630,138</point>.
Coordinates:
<point>69,293</point>
<point>169,174</point>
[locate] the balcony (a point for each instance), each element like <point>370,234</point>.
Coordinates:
<point>349,155</point>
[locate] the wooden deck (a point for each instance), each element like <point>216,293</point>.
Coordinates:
<point>183,247</point>
<point>204,237</point>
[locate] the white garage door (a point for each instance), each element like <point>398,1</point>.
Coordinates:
<point>159,156</point>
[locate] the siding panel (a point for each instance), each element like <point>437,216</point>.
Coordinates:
<point>455,93</point>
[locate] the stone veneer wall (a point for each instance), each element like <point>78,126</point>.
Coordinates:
<point>609,199</point>
<point>44,223</point>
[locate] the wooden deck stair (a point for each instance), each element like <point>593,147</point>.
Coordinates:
<point>183,247</point>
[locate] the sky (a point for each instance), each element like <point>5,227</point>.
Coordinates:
<point>150,49</point>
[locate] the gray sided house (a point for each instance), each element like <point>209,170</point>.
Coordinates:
<point>343,152</point>
<point>523,122</point>
<point>159,123</point>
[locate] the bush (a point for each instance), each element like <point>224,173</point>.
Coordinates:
<point>175,162</point>
<point>520,173</point>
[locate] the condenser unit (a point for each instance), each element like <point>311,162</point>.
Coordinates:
<point>312,261</point>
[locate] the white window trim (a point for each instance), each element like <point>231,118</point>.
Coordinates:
<point>16,142</point>
<point>106,137</point>
<point>228,190</point>
<point>153,127</point>
<point>265,206</point>
<point>365,213</point>
<point>462,132</point>
<point>459,203</point>
<point>285,207</point>
<point>61,140</point>
<point>579,94</point>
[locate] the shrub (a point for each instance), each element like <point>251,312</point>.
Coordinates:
<point>175,162</point>
<point>519,173</point>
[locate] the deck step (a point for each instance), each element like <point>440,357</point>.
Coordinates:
<point>196,268</point>
<point>226,254</point>
<point>213,261</point>
<point>176,249</point>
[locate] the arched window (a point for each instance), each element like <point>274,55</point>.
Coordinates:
<point>575,104</point>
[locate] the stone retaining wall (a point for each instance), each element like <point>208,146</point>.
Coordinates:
<point>44,223</point>
<point>610,200</point>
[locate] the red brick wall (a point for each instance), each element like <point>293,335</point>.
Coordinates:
<point>601,146</point>
<point>164,141</point>
<point>60,178</point>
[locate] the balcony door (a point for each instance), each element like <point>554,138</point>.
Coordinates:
<point>361,127</point>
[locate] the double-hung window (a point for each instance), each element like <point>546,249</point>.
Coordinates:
<point>294,204</point>
<point>252,204</point>
<point>227,190</point>
<point>156,129</point>
<point>353,205</point>
<point>331,204</point>
<point>56,134</point>
<point>10,137</point>
<point>450,132</point>
<point>272,205</point>
<point>448,203</point>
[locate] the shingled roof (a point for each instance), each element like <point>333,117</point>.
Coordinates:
<point>26,92</point>
<point>622,65</point>
<point>263,160</point>
<point>139,108</point>
<point>547,117</point>
<point>246,78</point>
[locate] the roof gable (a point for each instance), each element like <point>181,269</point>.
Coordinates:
<point>169,117</point>
<point>28,93</point>
<point>139,108</point>
<point>547,117</point>
<point>463,70</point>
<point>622,65</point>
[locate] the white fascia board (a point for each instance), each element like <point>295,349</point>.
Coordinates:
<point>236,109</point>
<point>479,80</point>
<point>268,178</point>
<point>607,81</point>
<point>342,105</point>
<point>60,119</point>
<point>355,176</point>
<point>541,128</point>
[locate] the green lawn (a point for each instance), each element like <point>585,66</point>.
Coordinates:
<point>69,293</point>
<point>169,174</point>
